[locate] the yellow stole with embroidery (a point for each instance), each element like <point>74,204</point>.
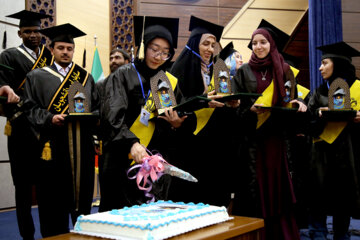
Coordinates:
<point>333,129</point>
<point>45,59</point>
<point>203,115</point>
<point>59,103</point>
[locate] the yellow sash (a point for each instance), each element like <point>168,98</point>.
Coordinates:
<point>266,100</point>
<point>59,102</point>
<point>203,115</point>
<point>295,71</point>
<point>45,59</point>
<point>302,91</point>
<point>333,129</point>
<point>145,133</point>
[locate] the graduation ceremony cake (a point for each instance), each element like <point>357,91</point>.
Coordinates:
<point>158,220</point>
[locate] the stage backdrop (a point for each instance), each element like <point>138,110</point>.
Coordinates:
<point>92,17</point>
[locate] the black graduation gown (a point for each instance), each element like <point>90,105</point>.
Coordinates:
<point>22,143</point>
<point>55,187</point>
<point>122,105</point>
<point>22,162</point>
<point>264,187</point>
<point>209,155</point>
<point>334,168</point>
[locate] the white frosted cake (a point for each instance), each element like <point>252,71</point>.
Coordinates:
<point>158,220</point>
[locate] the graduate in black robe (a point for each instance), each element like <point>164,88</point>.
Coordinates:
<point>334,176</point>
<point>264,187</point>
<point>47,88</point>
<point>209,152</point>
<point>21,141</point>
<point>127,90</point>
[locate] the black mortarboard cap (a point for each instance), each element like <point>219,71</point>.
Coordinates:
<point>200,26</point>
<point>227,51</point>
<point>291,60</point>
<point>5,67</point>
<point>339,50</point>
<point>63,33</point>
<point>28,18</point>
<point>157,26</point>
<point>280,37</point>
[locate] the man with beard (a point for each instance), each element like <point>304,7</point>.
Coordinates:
<point>22,143</point>
<point>118,57</point>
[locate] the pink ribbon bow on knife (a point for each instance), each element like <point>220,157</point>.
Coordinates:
<point>155,166</point>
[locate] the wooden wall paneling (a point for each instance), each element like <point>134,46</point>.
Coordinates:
<point>281,4</point>
<point>350,5</point>
<point>232,3</point>
<point>121,24</point>
<point>226,14</point>
<point>351,27</point>
<point>207,3</point>
<point>356,60</point>
<point>298,46</point>
<point>181,12</point>
<point>45,7</point>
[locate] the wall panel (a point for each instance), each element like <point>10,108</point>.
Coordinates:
<point>92,17</point>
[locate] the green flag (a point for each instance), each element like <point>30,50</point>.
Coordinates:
<point>96,69</point>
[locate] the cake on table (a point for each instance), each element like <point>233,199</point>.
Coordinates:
<point>158,220</point>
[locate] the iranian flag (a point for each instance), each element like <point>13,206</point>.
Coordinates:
<point>96,69</point>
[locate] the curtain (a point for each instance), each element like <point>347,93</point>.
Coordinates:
<point>325,27</point>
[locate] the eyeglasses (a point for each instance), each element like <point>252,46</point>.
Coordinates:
<point>163,55</point>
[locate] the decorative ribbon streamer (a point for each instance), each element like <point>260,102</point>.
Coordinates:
<point>152,166</point>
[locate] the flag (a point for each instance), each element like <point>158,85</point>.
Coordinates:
<point>96,69</point>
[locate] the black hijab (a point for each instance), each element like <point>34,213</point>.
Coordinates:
<point>187,67</point>
<point>343,69</point>
<point>152,32</point>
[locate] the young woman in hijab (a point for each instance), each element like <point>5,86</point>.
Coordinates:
<point>128,90</point>
<point>265,188</point>
<point>335,166</point>
<point>209,146</point>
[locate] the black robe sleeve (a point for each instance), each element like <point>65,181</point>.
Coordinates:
<point>122,104</point>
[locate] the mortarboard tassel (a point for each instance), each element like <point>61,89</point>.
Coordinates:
<point>46,153</point>
<point>4,40</point>
<point>7,129</point>
<point>141,49</point>
<point>84,59</point>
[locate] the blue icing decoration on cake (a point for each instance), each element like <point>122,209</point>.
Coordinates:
<point>134,213</point>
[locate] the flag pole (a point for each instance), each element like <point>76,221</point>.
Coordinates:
<point>95,37</point>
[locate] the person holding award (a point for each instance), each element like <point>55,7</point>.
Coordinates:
<point>61,190</point>
<point>128,123</point>
<point>201,155</point>
<point>334,170</point>
<point>264,186</point>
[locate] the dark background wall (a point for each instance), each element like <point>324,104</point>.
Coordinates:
<point>351,27</point>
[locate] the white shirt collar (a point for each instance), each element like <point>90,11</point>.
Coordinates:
<point>31,52</point>
<point>61,70</point>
